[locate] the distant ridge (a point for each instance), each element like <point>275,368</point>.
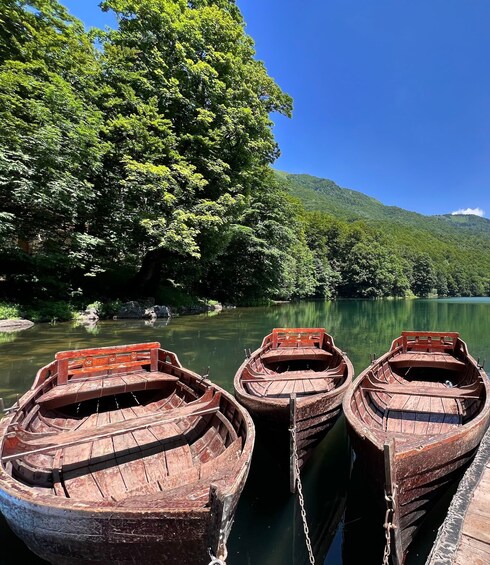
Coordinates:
<point>324,195</point>
<point>459,239</point>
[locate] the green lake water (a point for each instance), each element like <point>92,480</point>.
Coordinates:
<point>344,527</point>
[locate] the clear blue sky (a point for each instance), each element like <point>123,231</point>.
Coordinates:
<point>391,98</point>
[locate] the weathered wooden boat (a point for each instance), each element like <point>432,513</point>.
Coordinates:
<point>416,417</point>
<point>121,455</point>
<point>295,383</point>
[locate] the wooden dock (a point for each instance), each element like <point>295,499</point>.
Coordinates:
<point>464,537</point>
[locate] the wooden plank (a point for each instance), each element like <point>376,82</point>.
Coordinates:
<point>178,453</point>
<point>30,443</point>
<point>81,389</point>
<point>77,353</point>
<point>76,477</point>
<point>103,465</point>
<point>294,376</point>
<point>76,373</point>
<point>296,353</point>
<point>397,556</point>
<point>472,552</point>
<point>125,449</point>
<point>430,360</point>
<point>293,477</point>
<point>421,390</point>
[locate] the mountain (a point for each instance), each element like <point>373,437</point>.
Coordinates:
<point>324,195</point>
<point>458,246</point>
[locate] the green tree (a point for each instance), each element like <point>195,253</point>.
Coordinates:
<point>266,255</point>
<point>424,278</point>
<point>50,146</point>
<point>187,119</point>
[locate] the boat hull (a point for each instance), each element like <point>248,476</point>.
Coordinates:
<point>314,419</point>
<point>295,381</point>
<point>386,425</point>
<point>169,466</point>
<point>72,536</point>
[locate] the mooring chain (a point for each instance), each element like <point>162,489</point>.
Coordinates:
<point>301,497</point>
<point>388,524</point>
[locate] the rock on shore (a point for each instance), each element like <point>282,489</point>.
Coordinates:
<point>15,325</point>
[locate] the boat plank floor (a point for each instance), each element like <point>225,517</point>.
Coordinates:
<point>421,415</point>
<point>113,468</point>
<point>133,471</point>
<point>154,459</point>
<point>178,455</point>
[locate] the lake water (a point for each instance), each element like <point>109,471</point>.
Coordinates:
<point>344,527</point>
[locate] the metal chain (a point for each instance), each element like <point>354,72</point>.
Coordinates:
<point>388,524</point>
<point>301,498</point>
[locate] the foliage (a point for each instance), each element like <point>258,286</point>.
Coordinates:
<point>9,311</point>
<point>50,145</point>
<point>57,311</point>
<point>187,118</point>
<point>386,251</point>
<point>136,161</point>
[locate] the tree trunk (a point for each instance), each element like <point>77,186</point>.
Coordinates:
<point>148,278</point>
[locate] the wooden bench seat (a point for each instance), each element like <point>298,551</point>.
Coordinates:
<point>294,376</point>
<point>422,389</point>
<point>434,360</point>
<point>296,353</point>
<point>78,390</point>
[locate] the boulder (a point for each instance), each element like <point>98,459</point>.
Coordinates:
<point>131,309</point>
<point>15,325</point>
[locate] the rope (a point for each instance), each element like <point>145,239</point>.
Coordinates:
<point>301,497</point>
<point>214,559</point>
<point>388,524</point>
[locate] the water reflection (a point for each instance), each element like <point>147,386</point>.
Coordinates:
<point>268,527</point>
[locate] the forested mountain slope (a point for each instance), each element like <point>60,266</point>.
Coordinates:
<point>458,246</point>
<point>324,195</point>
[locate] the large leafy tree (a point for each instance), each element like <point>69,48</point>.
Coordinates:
<point>266,253</point>
<point>49,144</point>
<point>187,119</point>
<point>424,278</point>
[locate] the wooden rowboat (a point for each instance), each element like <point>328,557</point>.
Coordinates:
<point>121,455</point>
<point>295,381</point>
<point>416,416</point>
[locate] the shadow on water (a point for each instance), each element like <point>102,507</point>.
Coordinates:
<point>268,525</point>
<point>363,532</point>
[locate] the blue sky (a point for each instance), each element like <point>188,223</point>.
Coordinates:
<point>391,98</point>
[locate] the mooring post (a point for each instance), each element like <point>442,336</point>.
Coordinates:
<point>292,443</point>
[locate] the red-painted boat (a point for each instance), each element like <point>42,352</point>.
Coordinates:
<point>295,381</point>
<point>121,455</point>
<point>416,417</point>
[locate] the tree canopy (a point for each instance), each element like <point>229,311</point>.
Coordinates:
<point>138,157</point>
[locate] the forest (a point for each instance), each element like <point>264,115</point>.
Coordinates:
<point>137,161</point>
